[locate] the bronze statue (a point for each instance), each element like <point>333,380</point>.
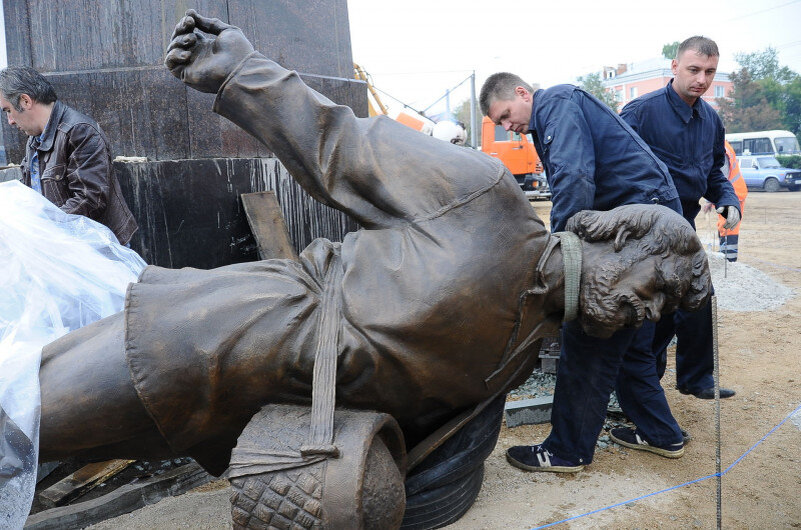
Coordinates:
<point>435,306</point>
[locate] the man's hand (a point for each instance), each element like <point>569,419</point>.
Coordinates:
<point>204,51</point>
<point>731,214</point>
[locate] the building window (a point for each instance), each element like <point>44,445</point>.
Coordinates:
<point>632,92</point>
<point>619,95</point>
<point>720,91</point>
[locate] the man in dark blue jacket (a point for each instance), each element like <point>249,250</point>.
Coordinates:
<point>594,161</point>
<point>686,133</point>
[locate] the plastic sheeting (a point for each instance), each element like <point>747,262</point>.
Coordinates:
<point>58,272</point>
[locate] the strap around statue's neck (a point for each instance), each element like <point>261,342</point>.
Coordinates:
<point>571,257</point>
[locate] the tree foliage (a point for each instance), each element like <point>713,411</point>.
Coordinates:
<point>764,65</point>
<point>461,113</point>
<point>791,161</point>
<point>593,84</point>
<point>748,109</point>
<point>765,95</point>
<point>670,50</point>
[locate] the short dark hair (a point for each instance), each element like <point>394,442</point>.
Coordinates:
<point>500,86</point>
<point>18,80</point>
<point>702,45</point>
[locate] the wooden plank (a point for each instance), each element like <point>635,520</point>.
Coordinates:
<point>83,480</point>
<point>124,499</point>
<point>267,224</point>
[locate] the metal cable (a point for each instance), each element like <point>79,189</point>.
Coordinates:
<point>719,479</point>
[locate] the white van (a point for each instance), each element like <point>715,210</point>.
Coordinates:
<point>764,143</point>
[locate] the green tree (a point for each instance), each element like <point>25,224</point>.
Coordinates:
<point>669,50</point>
<point>764,65</point>
<point>462,113</point>
<point>792,107</point>
<point>593,84</point>
<point>748,109</point>
<point>766,95</point>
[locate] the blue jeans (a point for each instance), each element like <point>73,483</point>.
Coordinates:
<point>589,369</point>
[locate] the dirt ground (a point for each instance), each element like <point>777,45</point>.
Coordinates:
<point>760,357</point>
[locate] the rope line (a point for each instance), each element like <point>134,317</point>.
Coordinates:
<point>713,475</point>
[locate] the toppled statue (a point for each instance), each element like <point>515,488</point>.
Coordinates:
<point>435,306</point>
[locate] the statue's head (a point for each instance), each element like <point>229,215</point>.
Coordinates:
<point>639,261</point>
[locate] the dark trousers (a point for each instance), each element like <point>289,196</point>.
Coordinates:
<point>589,369</point>
<point>694,357</point>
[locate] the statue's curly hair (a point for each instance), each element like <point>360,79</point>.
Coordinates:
<point>682,272</point>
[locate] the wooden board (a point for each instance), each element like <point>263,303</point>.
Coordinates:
<point>124,499</point>
<point>83,480</point>
<point>267,224</point>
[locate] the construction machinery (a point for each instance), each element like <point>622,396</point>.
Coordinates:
<point>444,130</point>
<point>518,154</point>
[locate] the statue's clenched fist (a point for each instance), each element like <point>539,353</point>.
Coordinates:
<point>204,51</point>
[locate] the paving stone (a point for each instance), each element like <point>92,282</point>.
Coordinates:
<point>529,411</point>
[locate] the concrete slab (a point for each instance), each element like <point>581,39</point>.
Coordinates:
<point>528,411</point>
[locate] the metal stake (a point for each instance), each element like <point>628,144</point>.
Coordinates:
<point>714,302</point>
<point>726,255</point>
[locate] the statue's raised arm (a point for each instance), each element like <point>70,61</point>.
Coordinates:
<point>376,170</point>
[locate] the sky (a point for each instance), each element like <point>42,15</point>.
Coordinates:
<point>417,50</point>
<point>415,53</point>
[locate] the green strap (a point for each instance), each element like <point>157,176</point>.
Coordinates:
<point>571,255</point>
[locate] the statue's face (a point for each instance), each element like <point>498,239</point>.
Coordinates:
<point>616,293</point>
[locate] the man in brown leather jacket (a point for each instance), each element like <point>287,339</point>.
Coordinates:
<point>67,158</point>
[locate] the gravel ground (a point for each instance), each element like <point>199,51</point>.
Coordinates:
<point>740,287</point>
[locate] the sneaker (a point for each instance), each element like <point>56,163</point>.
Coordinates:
<point>628,437</point>
<point>537,458</point>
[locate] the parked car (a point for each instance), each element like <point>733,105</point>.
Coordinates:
<point>765,172</point>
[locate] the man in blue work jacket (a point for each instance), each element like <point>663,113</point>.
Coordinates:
<point>593,161</point>
<point>686,133</point>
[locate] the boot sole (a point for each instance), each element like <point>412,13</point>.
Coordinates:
<point>656,450</point>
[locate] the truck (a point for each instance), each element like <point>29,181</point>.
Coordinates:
<point>516,151</point>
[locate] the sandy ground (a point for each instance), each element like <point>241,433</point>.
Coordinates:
<point>760,350</point>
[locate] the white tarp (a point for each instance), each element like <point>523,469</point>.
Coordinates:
<point>58,272</point>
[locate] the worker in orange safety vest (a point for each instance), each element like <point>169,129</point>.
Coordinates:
<point>728,238</point>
